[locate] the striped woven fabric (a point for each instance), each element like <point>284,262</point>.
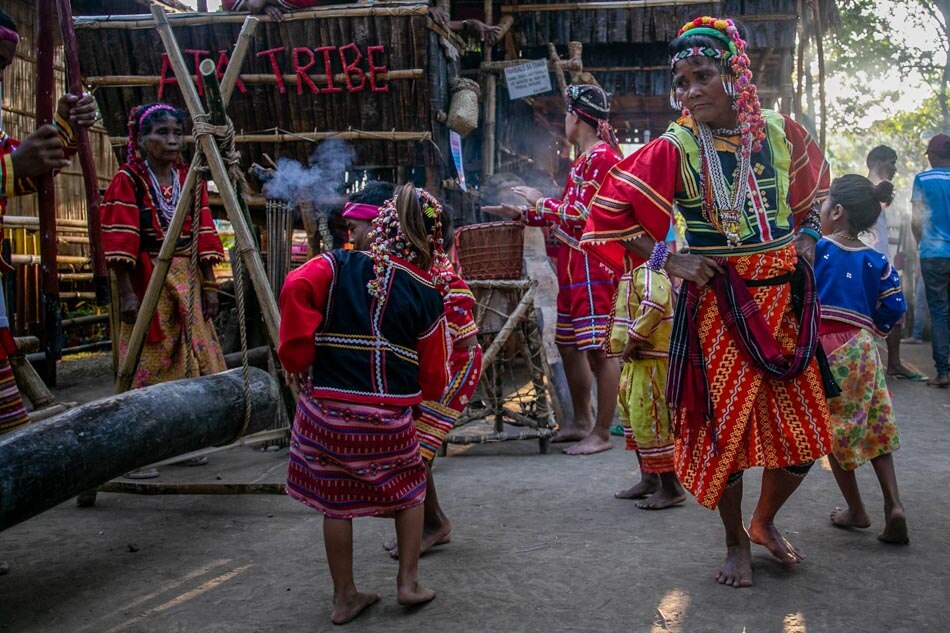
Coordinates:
<point>12,412</point>
<point>349,460</point>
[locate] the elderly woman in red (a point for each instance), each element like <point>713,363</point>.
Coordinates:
<point>136,211</point>
<point>366,331</point>
<point>746,384</point>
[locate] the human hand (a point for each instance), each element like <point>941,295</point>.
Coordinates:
<point>487,34</point>
<point>209,303</point>
<point>78,110</point>
<point>695,268</point>
<point>503,210</point>
<point>530,194</point>
<point>805,247</point>
<point>128,307</point>
<point>631,350</point>
<point>439,15</point>
<point>266,8</point>
<point>39,153</point>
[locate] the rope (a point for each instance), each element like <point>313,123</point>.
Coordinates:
<point>224,136</point>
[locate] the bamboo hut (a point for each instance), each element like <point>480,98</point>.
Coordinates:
<point>362,73</point>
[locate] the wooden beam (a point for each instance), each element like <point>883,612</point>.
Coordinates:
<point>312,137</point>
<point>596,6</point>
<point>131,81</point>
<point>129,22</point>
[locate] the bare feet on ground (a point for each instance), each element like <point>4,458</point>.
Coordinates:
<point>895,528</point>
<point>768,536</point>
<point>591,444</point>
<point>570,433</point>
<point>430,538</point>
<point>414,594</point>
<point>663,499</point>
<point>736,570</point>
<point>644,488</point>
<point>942,381</point>
<point>847,518</point>
<point>347,608</point>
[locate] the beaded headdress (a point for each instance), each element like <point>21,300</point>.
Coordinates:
<point>388,240</point>
<point>736,75</point>
<point>136,117</point>
<point>591,104</point>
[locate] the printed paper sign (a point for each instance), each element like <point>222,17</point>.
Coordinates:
<point>456,142</point>
<point>530,78</point>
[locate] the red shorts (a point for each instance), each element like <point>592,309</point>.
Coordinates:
<point>585,299</point>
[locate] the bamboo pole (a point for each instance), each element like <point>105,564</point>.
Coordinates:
<point>594,6</point>
<point>157,281</point>
<point>295,137</point>
<point>132,81</point>
<point>130,22</point>
<point>519,313</point>
<point>800,62</point>
<point>819,34</point>
<point>45,51</point>
<point>30,222</point>
<point>232,202</point>
<point>491,105</point>
<point>37,260</point>
<point>571,65</point>
<point>86,160</point>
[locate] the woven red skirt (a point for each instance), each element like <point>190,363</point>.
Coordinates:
<point>349,460</point>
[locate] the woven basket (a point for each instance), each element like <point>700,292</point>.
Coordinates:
<point>463,109</point>
<point>494,250</point>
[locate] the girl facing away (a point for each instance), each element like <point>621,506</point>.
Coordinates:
<point>365,334</point>
<point>861,298</point>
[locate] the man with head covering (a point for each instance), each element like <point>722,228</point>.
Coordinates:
<point>587,287</point>
<point>931,227</point>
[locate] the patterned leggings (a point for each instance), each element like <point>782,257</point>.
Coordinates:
<point>799,470</point>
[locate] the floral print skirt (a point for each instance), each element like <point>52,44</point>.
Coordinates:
<point>862,418</point>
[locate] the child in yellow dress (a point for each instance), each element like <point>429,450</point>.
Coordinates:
<point>640,335</point>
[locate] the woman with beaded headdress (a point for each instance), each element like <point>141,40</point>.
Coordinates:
<point>747,382</point>
<point>586,287</point>
<point>136,211</point>
<point>365,334</point>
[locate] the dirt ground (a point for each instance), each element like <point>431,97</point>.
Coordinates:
<point>539,545</point>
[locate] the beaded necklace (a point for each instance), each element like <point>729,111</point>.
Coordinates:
<point>166,206</point>
<point>721,209</point>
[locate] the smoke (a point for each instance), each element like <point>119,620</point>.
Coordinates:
<point>321,182</point>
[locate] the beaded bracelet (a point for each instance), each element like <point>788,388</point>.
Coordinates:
<point>812,219</point>
<point>810,231</point>
<point>661,252</point>
<point>209,285</point>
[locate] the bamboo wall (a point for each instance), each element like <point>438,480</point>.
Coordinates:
<point>18,121</point>
<point>109,49</point>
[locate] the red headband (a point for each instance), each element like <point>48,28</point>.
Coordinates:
<point>360,211</point>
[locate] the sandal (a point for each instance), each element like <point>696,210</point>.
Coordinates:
<point>142,473</point>
<point>616,430</point>
<point>913,377</point>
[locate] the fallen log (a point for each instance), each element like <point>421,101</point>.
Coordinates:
<point>44,464</point>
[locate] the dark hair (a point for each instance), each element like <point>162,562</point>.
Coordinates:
<point>448,228</point>
<point>687,41</point>
<point>375,192</point>
<point>860,199</point>
<point>416,225</point>
<point>881,154</point>
<point>7,22</point>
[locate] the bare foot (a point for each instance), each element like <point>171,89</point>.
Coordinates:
<point>414,594</point>
<point>736,570</point>
<point>570,433</point>
<point>663,499</point>
<point>847,518</point>
<point>647,485</point>
<point>942,381</point>
<point>430,538</point>
<point>768,536</point>
<point>590,445</point>
<point>895,528</point>
<point>346,609</point>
